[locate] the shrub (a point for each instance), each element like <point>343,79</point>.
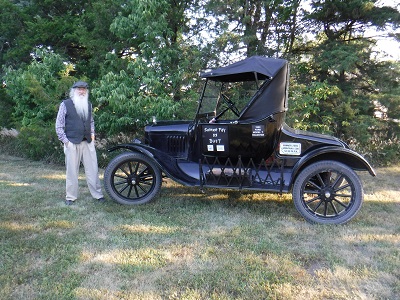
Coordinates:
<point>103,144</point>
<point>380,151</point>
<point>6,110</point>
<point>39,143</point>
<point>8,138</point>
<point>37,89</point>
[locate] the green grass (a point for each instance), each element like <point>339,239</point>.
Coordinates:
<point>189,245</point>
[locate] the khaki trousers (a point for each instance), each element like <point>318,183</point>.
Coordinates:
<point>75,154</point>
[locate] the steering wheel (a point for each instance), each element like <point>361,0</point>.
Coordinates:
<point>229,106</point>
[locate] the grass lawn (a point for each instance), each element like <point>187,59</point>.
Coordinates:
<point>189,245</point>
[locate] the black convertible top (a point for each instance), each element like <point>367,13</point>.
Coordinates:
<point>245,70</point>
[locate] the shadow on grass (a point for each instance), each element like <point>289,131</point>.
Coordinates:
<point>175,199</point>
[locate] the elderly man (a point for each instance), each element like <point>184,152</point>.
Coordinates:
<point>75,128</point>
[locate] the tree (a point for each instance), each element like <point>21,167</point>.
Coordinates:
<point>142,59</point>
<point>158,65</point>
<point>95,39</point>
<point>11,20</point>
<point>36,91</point>
<point>76,30</point>
<point>256,27</point>
<point>48,24</point>
<point>341,58</point>
<point>38,88</point>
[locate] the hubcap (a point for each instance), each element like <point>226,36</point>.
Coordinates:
<point>327,194</point>
<point>133,180</point>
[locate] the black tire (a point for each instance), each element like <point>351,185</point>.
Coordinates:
<point>132,178</point>
<point>328,192</point>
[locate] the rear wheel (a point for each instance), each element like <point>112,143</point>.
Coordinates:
<point>132,178</point>
<point>328,192</point>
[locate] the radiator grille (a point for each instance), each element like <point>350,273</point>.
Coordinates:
<point>176,145</point>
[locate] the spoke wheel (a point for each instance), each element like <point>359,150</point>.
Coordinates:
<point>328,192</point>
<point>132,178</point>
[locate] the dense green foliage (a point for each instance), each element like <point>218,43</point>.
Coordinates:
<point>142,59</point>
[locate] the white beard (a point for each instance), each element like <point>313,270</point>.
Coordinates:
<point>80,103</point>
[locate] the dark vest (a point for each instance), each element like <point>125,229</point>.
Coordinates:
<point>76,129</point>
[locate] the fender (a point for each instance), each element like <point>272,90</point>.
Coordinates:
<point>146,150</point>
<point>342,155</point>
<point>165,162</point>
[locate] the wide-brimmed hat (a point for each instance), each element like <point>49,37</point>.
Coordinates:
<point>80,84</point>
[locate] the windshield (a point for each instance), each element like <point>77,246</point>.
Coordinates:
<point>225,100</point>
<point>210,97</point>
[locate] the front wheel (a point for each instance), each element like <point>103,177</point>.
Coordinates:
<point>132,178</point>
<point>328,192</point>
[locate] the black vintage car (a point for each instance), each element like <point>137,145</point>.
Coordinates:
<point>239,140</point>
